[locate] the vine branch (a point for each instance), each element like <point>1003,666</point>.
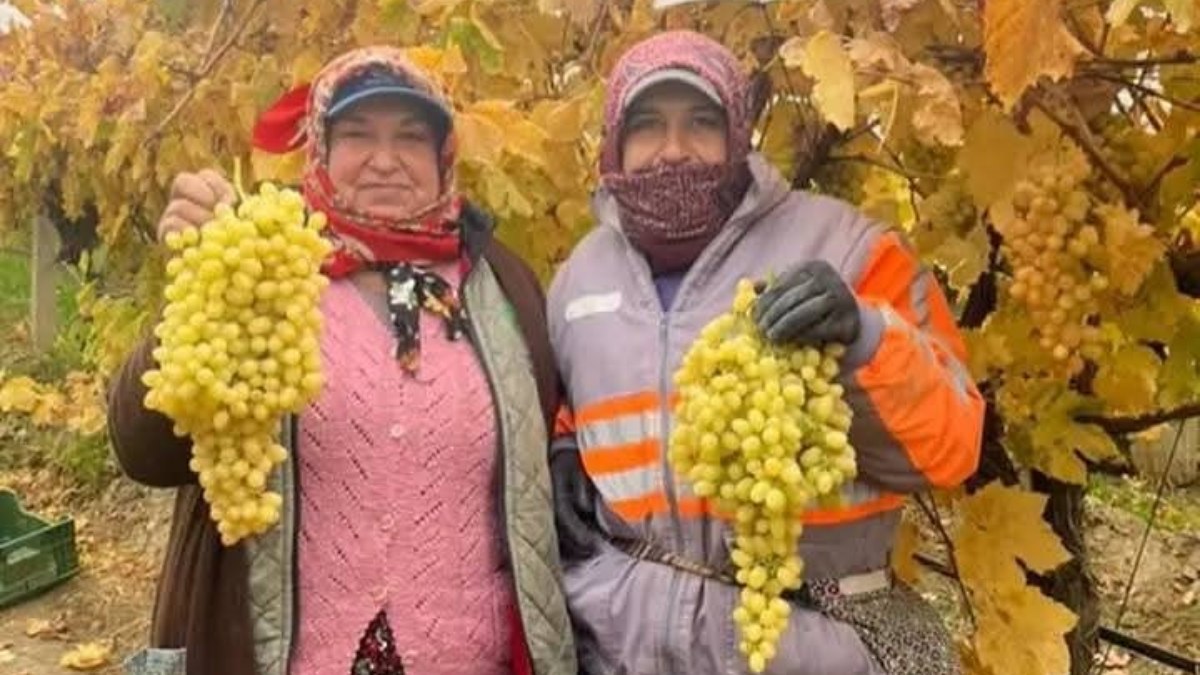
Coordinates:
<point>1178,58</point>
<point>208,66</point>
<point>1143,89</point>
<point>1135,423</point>
<point>1079,133</point>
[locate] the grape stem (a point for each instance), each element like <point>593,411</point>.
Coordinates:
<point>1145,90</point>
<point>1135,423</point>
<point>1080,134</point>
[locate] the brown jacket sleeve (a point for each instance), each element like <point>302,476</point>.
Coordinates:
<point>147,449</point>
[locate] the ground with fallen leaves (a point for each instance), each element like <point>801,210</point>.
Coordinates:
<point>102,616</point>
<point>93,621</point>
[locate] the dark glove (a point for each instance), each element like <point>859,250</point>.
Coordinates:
<point>808,305</point>
<point>575,498</point>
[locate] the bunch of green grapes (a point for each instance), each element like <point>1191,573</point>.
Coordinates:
<point>238,347</point>
<point>1130,150</point>
<point>1048,243</point>
<point>950,207</point>
<point>763,432</point>
<point>840,178</point>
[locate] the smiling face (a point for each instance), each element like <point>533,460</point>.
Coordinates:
<point>383,158</point>
<point>673,123</point>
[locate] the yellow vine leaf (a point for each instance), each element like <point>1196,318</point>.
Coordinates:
<point>1025,40</point>
<point>480,139</point>
<point>1127,379</point>
<point>1179,378</point>
<point>88,656</point>
<point>1056,438</point>
<point>993,157</point>
<point>1183,14</point>
<point>1118,12</point>
<point>964,257</point>
<point>1002,533</point>
<point>1130,248</point>
<point>823,58</point>
<point>20,394</point>
<point>938,115</point>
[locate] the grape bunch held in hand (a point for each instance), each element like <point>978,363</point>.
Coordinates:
<point>762,431</point>
<point>238,347</point>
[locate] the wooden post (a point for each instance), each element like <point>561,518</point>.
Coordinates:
<point>43,296</point>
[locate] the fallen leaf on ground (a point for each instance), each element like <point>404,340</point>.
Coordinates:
<point>89,656</point>
<point>43,629</point>
<point>1189,598</point>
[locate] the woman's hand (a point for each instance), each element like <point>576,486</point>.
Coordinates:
<point>809,305</point>
<point>194,197</point>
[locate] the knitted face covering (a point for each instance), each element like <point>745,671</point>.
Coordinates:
<point>671,213</point>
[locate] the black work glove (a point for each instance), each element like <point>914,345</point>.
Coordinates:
<point>809,305</point>
<point>575,499</point>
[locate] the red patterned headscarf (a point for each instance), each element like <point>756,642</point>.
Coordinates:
<point>430,234</point>
<point>671,213</point>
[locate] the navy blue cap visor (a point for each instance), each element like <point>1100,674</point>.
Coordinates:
<point>398,92</point>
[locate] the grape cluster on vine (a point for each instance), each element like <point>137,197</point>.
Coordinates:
<point>761,431</point>
<point>1049,244</point>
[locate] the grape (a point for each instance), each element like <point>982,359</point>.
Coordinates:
<point>1049,243</point>
<point>229,326</point>
<point>761,430</point>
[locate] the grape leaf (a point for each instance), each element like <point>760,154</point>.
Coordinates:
<point>1056,438</point>
<point>938,115</point>
<point>1183,14</point>
<point>1130,249</point>
<point>1179,378</point>
<point>88,656</point>
<point>993,157</point>
<point>1118,12</point>
<point>823,58</point>
<point>1025,40</point>
<point>1127,379</point>
<point>893,9</point>
<point>963,257</point>
<point>1001,533</point>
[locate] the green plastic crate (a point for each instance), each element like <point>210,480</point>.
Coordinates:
<point>34,555</point>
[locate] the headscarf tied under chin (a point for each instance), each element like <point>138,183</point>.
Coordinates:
<point>402,248</point>
<point>671,213</point>
<point>429,234</point>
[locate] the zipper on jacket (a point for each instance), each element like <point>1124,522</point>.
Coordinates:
<point>664,425</point>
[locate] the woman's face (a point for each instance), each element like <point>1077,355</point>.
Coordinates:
<point>672,123</point>
<point>383,158</point>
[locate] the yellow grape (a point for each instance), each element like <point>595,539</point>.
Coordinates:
<point>1049,242</point>
<point>762,431</point>
<point>228,328</point>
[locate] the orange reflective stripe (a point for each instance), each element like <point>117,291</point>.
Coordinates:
<point>888,502</point>
<point>619,406</point>
<point>564,422</point>
<point>696,507</point>
<point>615,458</point>
<point>888,274</point>
<point>640,508</point>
